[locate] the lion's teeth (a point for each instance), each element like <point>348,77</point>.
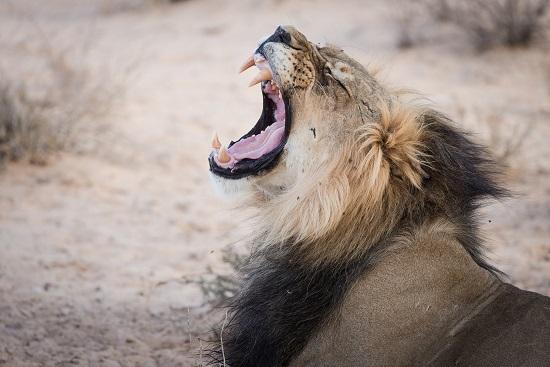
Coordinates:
<point>216,144</point>
<point>223,156</point>
<point>264,74</point>
<point>248,63</point>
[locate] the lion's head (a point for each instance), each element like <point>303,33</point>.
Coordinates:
<point>337,158</point>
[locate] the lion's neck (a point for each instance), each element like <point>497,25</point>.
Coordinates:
<point>400,311</point>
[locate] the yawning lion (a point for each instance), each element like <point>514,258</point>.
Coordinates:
<point>367,252</point>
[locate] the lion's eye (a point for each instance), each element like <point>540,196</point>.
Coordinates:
<point>327,70</point>
<point>327,76</point>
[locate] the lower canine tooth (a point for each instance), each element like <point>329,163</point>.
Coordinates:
<point>223,156</point>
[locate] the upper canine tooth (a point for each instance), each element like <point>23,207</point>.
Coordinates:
<point>248,63</point>
<point>223,155</point>
<point>216,144</point>
<point>264,74</point>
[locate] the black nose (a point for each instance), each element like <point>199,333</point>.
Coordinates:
<point>280,35</point>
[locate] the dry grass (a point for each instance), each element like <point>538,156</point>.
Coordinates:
<point>40,118</point>
<point>218,287</point>
<point>492,23</point>
<point>32,127</point>
<point>411,19</point>
<point>505,138</point>
<point>487,23</point>
<point>22,126</point>
<point>110,7</point>
<point>51,97</point>
<point>506,144</point>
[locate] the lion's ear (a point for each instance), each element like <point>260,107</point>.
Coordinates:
<point>341,73</point>
<point>391,148</point>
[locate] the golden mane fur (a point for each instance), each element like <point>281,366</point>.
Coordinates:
<point>352,197</point>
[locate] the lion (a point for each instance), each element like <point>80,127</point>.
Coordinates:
<point>366,246</point>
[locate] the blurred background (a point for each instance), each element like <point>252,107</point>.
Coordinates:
<point>113,247</point>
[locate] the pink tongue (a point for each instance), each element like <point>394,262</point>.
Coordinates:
<point>256,146</point>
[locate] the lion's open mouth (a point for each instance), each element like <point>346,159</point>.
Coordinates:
<point>258,149</point>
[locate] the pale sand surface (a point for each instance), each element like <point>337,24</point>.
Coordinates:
<point>86,240</point>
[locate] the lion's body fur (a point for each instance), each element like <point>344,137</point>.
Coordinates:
<point>368,251</point>
<point>427,304</point>
<point>401,310</point>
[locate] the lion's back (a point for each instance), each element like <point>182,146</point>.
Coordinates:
<point>513,330</point>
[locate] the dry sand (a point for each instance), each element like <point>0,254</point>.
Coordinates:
<point>93,245</point>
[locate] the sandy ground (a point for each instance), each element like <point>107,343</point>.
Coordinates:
<point>93,245</point>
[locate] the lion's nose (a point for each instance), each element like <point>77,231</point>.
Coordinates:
<point>281,35</point>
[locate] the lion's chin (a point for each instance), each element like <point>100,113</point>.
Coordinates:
<point>230,189</point>
<point>259,149</point>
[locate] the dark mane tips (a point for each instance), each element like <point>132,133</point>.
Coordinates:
<point>460,178</point>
